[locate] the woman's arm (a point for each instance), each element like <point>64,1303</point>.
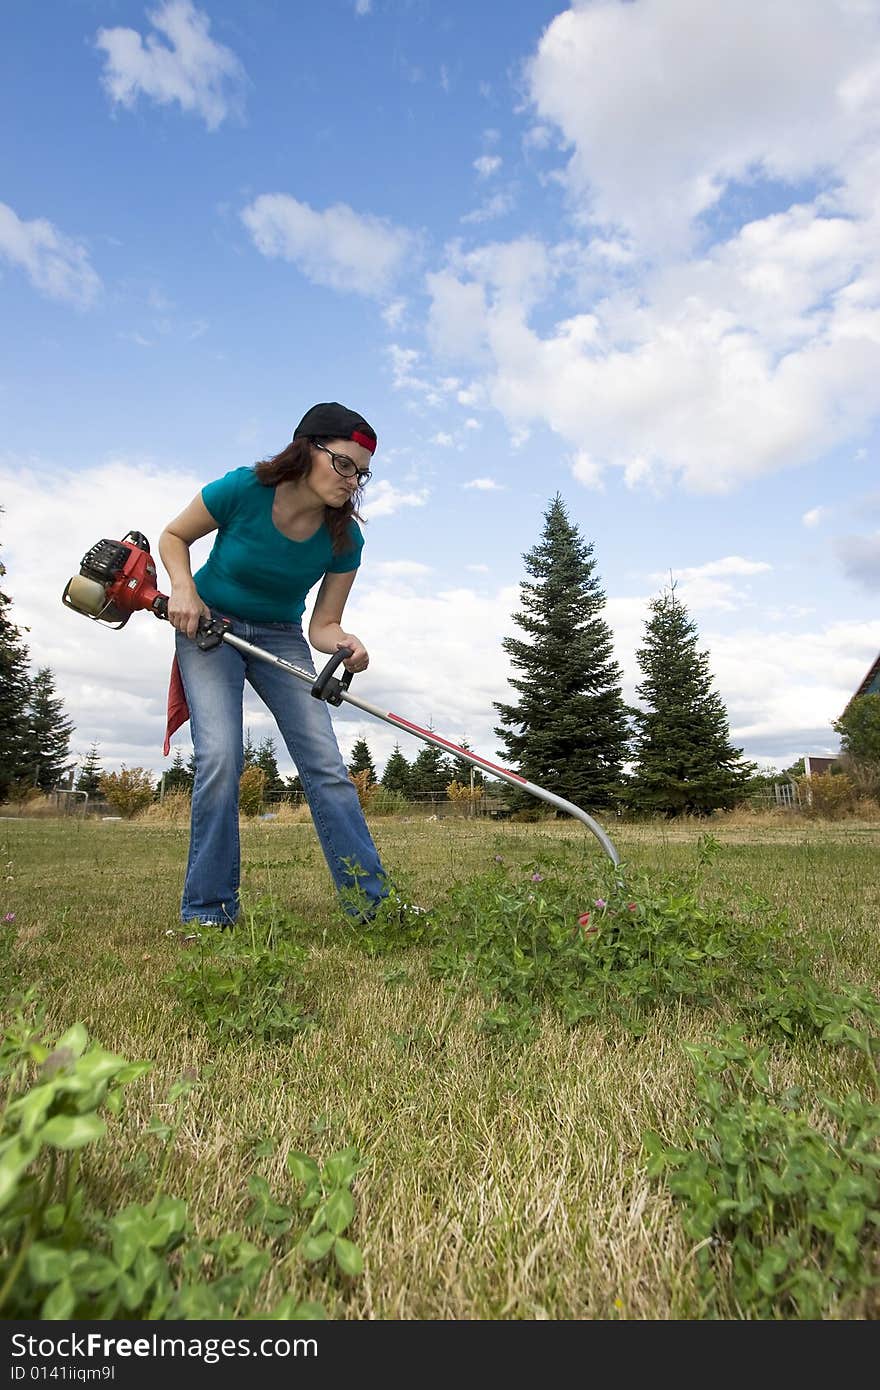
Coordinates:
<point>325,627</point>
<point>185,608</point>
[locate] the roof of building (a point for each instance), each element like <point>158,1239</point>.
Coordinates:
<point>871,684</point>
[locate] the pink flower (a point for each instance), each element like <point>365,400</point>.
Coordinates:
<point>537,878</point>
<point>498,859</point>
<point>631,907</point>
<point>600,902</point>
<point>10,917</point>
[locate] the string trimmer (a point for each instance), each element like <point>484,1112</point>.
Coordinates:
<point>118,578</point>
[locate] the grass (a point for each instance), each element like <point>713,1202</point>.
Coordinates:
<point>500,1184</point>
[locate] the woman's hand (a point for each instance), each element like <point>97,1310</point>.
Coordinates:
<point>185,609</point>
<point>360,657</point>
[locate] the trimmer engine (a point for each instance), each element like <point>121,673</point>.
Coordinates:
<point>116,579</point>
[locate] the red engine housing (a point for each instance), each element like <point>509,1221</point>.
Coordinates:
<point>126,571</point>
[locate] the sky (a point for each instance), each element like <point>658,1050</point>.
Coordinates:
<point>623,251</point>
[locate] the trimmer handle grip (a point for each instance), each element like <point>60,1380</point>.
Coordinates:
<point>327,686</point>
<point>210,631</point>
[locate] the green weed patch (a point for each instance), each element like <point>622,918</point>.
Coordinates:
<point>783,1214</point>
<point>63,1257</point>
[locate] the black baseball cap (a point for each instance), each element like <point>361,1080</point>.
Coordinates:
<point>330,420</point>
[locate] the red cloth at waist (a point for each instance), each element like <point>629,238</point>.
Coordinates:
<point>178,709</point>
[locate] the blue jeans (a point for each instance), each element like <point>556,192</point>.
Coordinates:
<point>214,685</point>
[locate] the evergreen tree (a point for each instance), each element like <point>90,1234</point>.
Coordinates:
<point>396,777</point>
<point>461,769</point>
<point>178,777</point>
<point>684,761</point>
<point>293,784</point>
<point>568,732</point>
<point>90,772</point>
<point>14,693</point>
<point>361,760</point>
<point>250,751</point>
<point>47,749</point>
<point>265,758</point>
<point>430,773</point>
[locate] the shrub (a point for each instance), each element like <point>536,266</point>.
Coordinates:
<point>127,791</point>
<point>864,776</point>
<point>251,788</point>
<point>364,784</point>
<point>175,806</point>
<point>464,796</point>
<point>383,802</point>
<point>827,795</point>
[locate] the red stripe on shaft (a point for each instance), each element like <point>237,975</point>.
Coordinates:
<point>416,728</point>
<point>364,440</point>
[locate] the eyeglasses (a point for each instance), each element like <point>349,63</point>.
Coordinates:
<point>344,466</point>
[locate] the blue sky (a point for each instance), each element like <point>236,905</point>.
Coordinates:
<point>627,252</point>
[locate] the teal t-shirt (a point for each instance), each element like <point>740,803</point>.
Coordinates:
<point>253,571</point>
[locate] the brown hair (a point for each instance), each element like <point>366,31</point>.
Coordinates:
<point>292,465</point>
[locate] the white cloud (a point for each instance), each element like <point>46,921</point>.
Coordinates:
<point>54,263</point>
<point>487,164</point>
<point>665,103</point>
<point>537,137</point>
<point>404,361</point>
<point>362,7</point>
<point>190,68</point>
<point>338,247</point>
<point>443,439</point>
<point>385,499</point>
<point>860,559</point>
<point>814,516</point>
<point>730,564</point>
<point>400,569</point>
<point>586,470</point>
<point>394,313</point>
<point>499,205</point>
<point>711,586</point>
<point>484,485</point>
<point>758,356</point>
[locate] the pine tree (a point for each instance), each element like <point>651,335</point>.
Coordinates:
<point>15,687</point>
<point>294,785</point>
<point>47,748</point>
<point>430,773</point>
<point>396,777</point>
<point>90,772</point>
<point>684,761</point>
<point>361,760</point>
<point>568,732</point>
<point>178,776</point>
<point>265,758</point>
<point>250,751</point>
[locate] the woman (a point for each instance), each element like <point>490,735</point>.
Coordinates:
<point>281,526</point>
